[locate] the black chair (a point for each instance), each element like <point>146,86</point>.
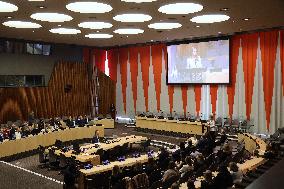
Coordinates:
<point>42,156</point>
<point>52,159</point>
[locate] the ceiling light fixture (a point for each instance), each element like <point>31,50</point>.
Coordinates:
<point>21,24</point>
<point>210,18</point>
<point>65,31</point>
<point>9,17</point>
<point>51,17</point>
<point>180,8</point>
<point>99,36</point>
<point>41,7</point>
<point>197,26</point>
<point>138,1</point>
<point>95,25</point>
<point>132,17</point>
<point>246,19</point>
<point>164,26</point>
<point>7,7</point>
<point>89,7</point>
<point>224,9</point>
<point>129,31</point>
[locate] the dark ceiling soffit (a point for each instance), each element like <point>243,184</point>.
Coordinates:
<point>178,41</point>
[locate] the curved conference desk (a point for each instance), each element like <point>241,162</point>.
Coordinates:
<point>13,147</point>
<point>195,128</point>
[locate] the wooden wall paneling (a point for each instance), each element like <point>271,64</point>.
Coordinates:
<point>50,101</point>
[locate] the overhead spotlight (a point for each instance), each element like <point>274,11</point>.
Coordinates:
<point>197,26</point>
<point>224,9</point>
<point>246,19</point>
<point>41,7</point>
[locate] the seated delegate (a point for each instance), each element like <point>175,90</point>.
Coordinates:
<point>96,138</point>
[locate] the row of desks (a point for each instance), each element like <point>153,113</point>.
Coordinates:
<point>107,123</point>
<point>252,143</point>
<point>90,150</point>
<point>195,128</point>
<point>13,147</point>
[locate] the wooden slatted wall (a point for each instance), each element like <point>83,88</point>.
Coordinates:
<point>51,101</point>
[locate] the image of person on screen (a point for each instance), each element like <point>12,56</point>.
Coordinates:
<point>194,61</point>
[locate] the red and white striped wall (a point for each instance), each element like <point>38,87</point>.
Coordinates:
<point>256,91</point>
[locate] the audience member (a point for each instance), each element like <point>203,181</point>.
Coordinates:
<point>237,174</point>
<point>116,178</point>
<point>1,135</point>
<point>171,173</point>
<point>224,156</point>
<point>18,134</point>
<point>223,179</point>
<point>12,132</point>
<point>80,121</point>
<point>175,186</point>
<point>70,122</point>
<point>212,127</point>
<point>207,183</point>
<point>187,167</point>
<point>190,184</point>
<point>163,158</point>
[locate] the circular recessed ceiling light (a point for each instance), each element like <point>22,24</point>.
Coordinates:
<point>99,36</point>
<point>164,25</point>
<point>129,31</point>
<point>7,7</point>
<point>210,18</point>
<point>95,25</point>
<point>132,17</point>
<point>138,1</point>
<point>21,24</point>
<point>180,8</point>
<point>65,31</point>
<point>51,17</point>
<point>89,7</point>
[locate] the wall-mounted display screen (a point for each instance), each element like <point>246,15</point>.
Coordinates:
<point>199,63</point>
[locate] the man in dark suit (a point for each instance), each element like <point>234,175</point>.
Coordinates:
<point>96,138</point>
